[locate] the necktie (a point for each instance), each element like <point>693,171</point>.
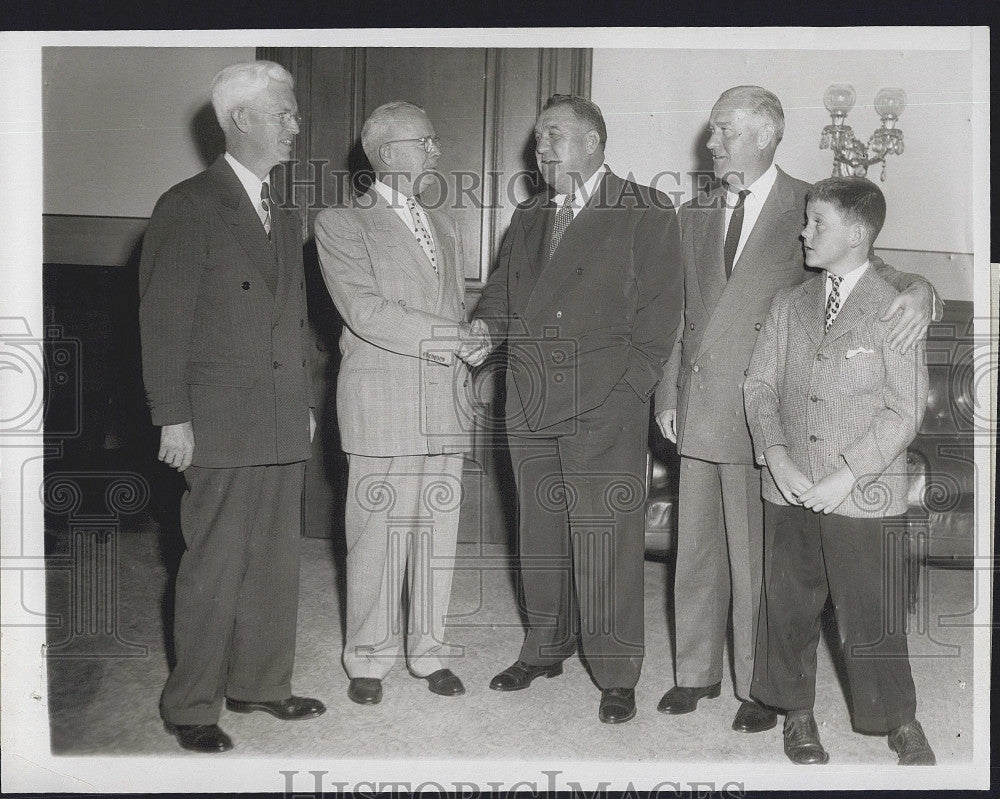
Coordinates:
<point>265,209</point>
<point>563,217</point>
<point>421,232</point>
<point>833,301</point>
<point>733,233</point>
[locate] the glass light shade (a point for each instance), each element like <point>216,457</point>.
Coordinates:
<point>839,98</point>
<point>890,102</point>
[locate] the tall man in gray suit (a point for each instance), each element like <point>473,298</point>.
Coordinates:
<point>222,315</point>
<point>396,272</point>
<point>740,245</point>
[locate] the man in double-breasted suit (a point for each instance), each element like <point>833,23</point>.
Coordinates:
<point>396,273</point>
<point>222,315</point>
<point>587,296</point>
<point>740,245</point>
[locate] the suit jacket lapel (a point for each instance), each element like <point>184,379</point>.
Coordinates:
<point>589,223</point>
<point>810,306</point>
<point>241,218</point>
<point>746,272</point>
<point>710,239</point>
<point>394,233</point>
<point>856,308</point>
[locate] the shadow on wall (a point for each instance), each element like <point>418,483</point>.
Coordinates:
<point>207,134</point>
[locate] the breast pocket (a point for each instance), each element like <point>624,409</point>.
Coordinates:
<point>861,366</point>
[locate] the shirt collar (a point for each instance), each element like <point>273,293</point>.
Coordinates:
<point>761,187</point>
<point>850,280</point>
<point>585,192</point>
<point>251,183</point>
<point>395,198</point>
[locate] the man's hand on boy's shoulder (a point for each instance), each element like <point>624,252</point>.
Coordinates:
<point>827,494</point>
<point>787,476</point>
<point>910,312</point>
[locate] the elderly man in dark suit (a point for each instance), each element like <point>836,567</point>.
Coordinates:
<point>222,315</point>
<point>587,295</point>
<point>740,245</point>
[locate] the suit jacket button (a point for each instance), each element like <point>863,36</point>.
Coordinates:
<point>813,398</point>
<point>691,326</point>
<point>275,365</point>
<point>757,326</point>
<point>302,322</point>
<point>558,314</point>
<point>516,316</point>
<point>303,362</point>
<point>463,306</point>
<point>579,271</point>
<point>402,302</point>
<point>465,382</point>
<point>812,438</point>
<point>246,285</point>
<point>746,372</point>
<point>695,368</point>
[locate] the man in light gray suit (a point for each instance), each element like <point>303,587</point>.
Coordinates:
<point>739,245</point>
<point>395,272</point>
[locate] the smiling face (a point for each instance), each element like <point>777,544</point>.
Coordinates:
<point>262,140</point>
<point>742,144</point>
<point>830,241</point>
<point>567,150</point>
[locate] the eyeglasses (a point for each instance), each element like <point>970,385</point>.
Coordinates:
<point>428,142</point>
<point>286,117</point>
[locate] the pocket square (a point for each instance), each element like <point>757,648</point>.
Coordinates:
<point>858,351</point>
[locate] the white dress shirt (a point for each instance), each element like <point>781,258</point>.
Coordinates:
<point>397,201</point>
<point>584,193</point>
<point>759,191</point>
<point>850,280</point>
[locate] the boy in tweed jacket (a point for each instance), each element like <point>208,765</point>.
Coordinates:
<point>831,409</point>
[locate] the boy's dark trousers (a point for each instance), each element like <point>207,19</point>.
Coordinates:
<point>858,562</point>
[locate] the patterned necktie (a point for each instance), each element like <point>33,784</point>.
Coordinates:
<point>563,217</point>
<point>421,232</point>
<point>733,233</point>
<point>265,208</point>
<point>833,301</point>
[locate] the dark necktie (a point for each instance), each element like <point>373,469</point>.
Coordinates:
<point>563,217</point>
<point>833,301</point>
<point>265,205</point>
<point>733,233</point>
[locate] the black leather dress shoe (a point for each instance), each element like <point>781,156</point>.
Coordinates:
<point>910,743</point>
<point>444,683</point>
<point>802,740</point>
<point>617,705</point>
<point>291,709</point>
<point>684,700</point>
<point>201,737</point>
<point>520,675</point>
<point>754,717</point>
<point>365,690</point>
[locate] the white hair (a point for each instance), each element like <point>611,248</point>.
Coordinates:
<point>377,128</point>
<point>239,83</point>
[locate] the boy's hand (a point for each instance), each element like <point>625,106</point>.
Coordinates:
<point>787,476</point>
<point>826,494</point>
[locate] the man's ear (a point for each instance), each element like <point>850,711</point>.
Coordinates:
<point>593,141</point>
<point>241,119</point>
<point>765,136</point>
<point>383,154</point>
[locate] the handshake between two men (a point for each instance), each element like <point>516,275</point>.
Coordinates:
<point>475,344</point>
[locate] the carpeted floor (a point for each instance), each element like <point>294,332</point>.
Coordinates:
<point>108,705</point>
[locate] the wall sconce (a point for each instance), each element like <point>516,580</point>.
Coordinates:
<point>851,156</point>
